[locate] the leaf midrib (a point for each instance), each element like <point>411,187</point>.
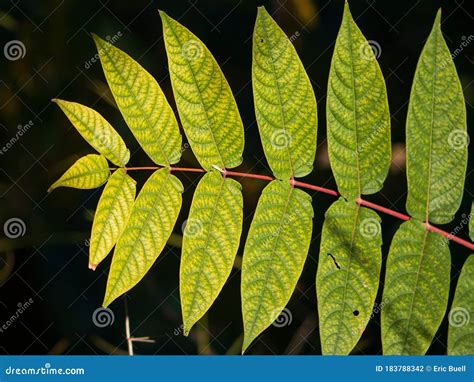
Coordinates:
<point>430,151</point>
<point>272,257</point>
<point>346,282</point>
<point>115,197</point>
<point>143,222</point>
<point>280,101</point>
<point>138,105</point>
<point>410,313</point>
<point>200,271</point>
<point>208,122</point>
<point>354,102</point>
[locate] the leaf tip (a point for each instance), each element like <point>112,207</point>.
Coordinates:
<point>438,17</point>
<point>92,266</point>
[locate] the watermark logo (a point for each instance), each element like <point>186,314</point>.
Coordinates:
<point>111,40</point>
<point>369,227</point>
<point>22,129</point>
<point>370,50</point>
<point>458,139</point>
<point>192,50</point>
<point>14,228</point>
<point>280,139</point>
<point>14,50</point>
<point>459,317</point>
<point>191,227</point>
<point>103,317</point>
<point>285,318</point>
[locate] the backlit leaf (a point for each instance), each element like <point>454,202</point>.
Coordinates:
<point>436,134</point>
<point>415,291</point>
<point>142,104</point>
<point>90,171</point>
<point>96,131</point>
<point>111,215</point>
<point>285,105</point>
<point>151,222</point>
<point>206,106</point>
<point>274,255</point>
<point>357,113</point>
<point>461,315</point>
<point>210,243</point>
<point>348,274</point>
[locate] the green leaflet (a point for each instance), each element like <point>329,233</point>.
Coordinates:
<point>111,215</point>
<point>285,105</point>
<point>88,172</point>
<point>274,255</point>
<point>96,131</point>
<point>210,243</point>
<point>348,274</point>
<point>357,114</point>
<point>436,133</point>
<point>204,99</point>
<point>461,315</point>
<point>151,222</point>
<point>415,291</point>
<point>142,104</point>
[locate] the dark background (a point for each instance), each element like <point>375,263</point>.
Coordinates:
<point>48,264</point>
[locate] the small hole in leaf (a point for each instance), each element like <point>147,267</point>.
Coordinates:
<point>355,313</point>
<point>261,40</point>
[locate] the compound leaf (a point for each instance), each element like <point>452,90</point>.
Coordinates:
<point>416,289</point>
<point>151,222</point>
<point>274,255</point>
<point>206,106</point>
<point>436,133</point>
<point>111,216</point>
<point>210,243</point>
<point>348,274</point>
<point>357,114</point>
<point>461,315</point>
<point>285,105</point>
<point>88,172</point>
<point>142,103</point>
<point>96,131</point>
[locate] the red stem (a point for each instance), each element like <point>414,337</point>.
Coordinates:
<point>324,190</point>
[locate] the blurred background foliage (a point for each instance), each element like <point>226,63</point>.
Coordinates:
<point>48,263</point>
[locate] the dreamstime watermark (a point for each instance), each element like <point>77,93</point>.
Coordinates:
<point>370,227</point>
<point>179,330</point>
<point>458,317</point>
<point>103,317</point>
<point>106,139</point>
<point>191,227</point>
<point>465,41</point>
<point>280,139</point>
<point>14,50</point>
<point>458,139</point>
<point>376,129</point>
<point>14,228</point>
<point>21,308</point>
<point>192,50</point>
<point>378,307</point>
<point>44,370</point>
<point>287,220</point>
<point>111,40</point>
<point>284,318</point>
<point>370,50</point>
<point>22,129</point>
<point>463,223</point>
